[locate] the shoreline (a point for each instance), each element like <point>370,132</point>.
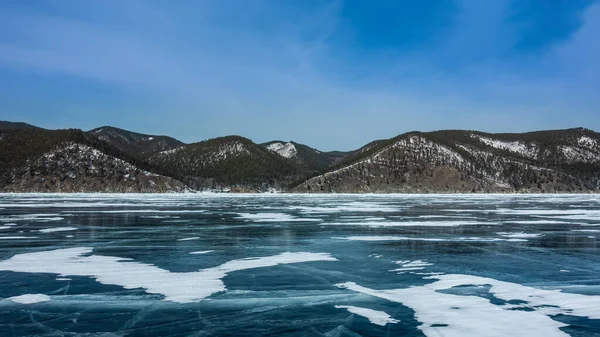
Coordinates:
<point>303,194</point>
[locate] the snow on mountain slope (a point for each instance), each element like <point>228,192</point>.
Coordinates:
<point>459,161</point>
<point>74,167</point>
<point>223,162</point>
<point>287,150</point>
<point>133,143</point>
<point>529,150</point>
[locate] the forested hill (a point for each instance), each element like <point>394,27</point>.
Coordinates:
<point>38,160</point>
<point>135,144</point>
<point>109,159</point>
<point>469,161</point>
<point>230,162</point>
<point>307,157</point>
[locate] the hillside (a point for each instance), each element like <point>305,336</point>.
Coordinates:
<point>37,160</point>
<point>307,157</point>
<point>469,161</point>
<point>133,143</point>
<point>6,125</point>
<point>228,162</point>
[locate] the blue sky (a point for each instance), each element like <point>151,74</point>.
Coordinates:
<point>330,74</point>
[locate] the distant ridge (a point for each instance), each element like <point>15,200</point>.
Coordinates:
<point>109,159</point>
<point>5,125</point>
<point>137,144</point>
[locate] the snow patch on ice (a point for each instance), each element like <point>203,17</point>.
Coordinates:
<point>176,287</point>
<point>408,265</point>
<point>17,237</point>
<point>374,316</point>
<point>450,315</point>
<point>34,217</point>
<point>348,207</point>
<point>412,223</point>
<point>30,298</point>
<point>189,239</point>
<point>57,229</point>
<point>273,217</point>
<point>202,252</point>
<point>408,238</point>
<point>520,235</point>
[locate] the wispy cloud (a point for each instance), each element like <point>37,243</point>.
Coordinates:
<point>282,70</point>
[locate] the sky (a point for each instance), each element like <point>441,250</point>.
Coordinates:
<point>332,74</point>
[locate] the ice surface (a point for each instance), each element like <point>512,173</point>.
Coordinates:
<point>30,298</point>
<point>176,287</point>
<point>374,316</point>
<point>135,247</point>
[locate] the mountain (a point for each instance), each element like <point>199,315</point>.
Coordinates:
<point>308,158</point>
<point>109,159</point>
<point>469,161</point>
<point>133,143</point>
<point>38,160</point>
<point>228,162</point>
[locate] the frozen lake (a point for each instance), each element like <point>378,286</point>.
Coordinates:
<point>299,265</point>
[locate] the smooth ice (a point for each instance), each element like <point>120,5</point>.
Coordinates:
<point>299,265</point>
